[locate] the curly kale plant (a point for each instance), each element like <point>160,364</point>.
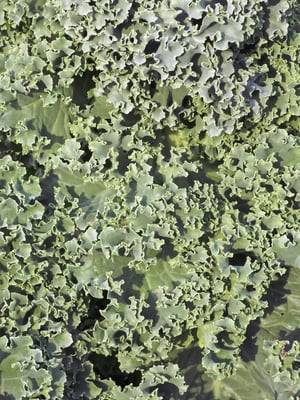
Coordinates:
<point>149,199</point>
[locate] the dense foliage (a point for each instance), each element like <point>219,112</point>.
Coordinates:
<point>149,208</point>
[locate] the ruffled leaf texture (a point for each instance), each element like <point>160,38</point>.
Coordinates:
<point>149,197</point>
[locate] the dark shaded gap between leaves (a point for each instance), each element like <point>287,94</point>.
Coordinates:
<point>87,154</point>
<point>150,312</point>
<point>249,349</point>
<point>81,86</point>
<point>167,391</point>
<point>94,308</point>
<point>239,258</point>
<point>109,367</point>
<point>275,296</point>
<point>276,293</point>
